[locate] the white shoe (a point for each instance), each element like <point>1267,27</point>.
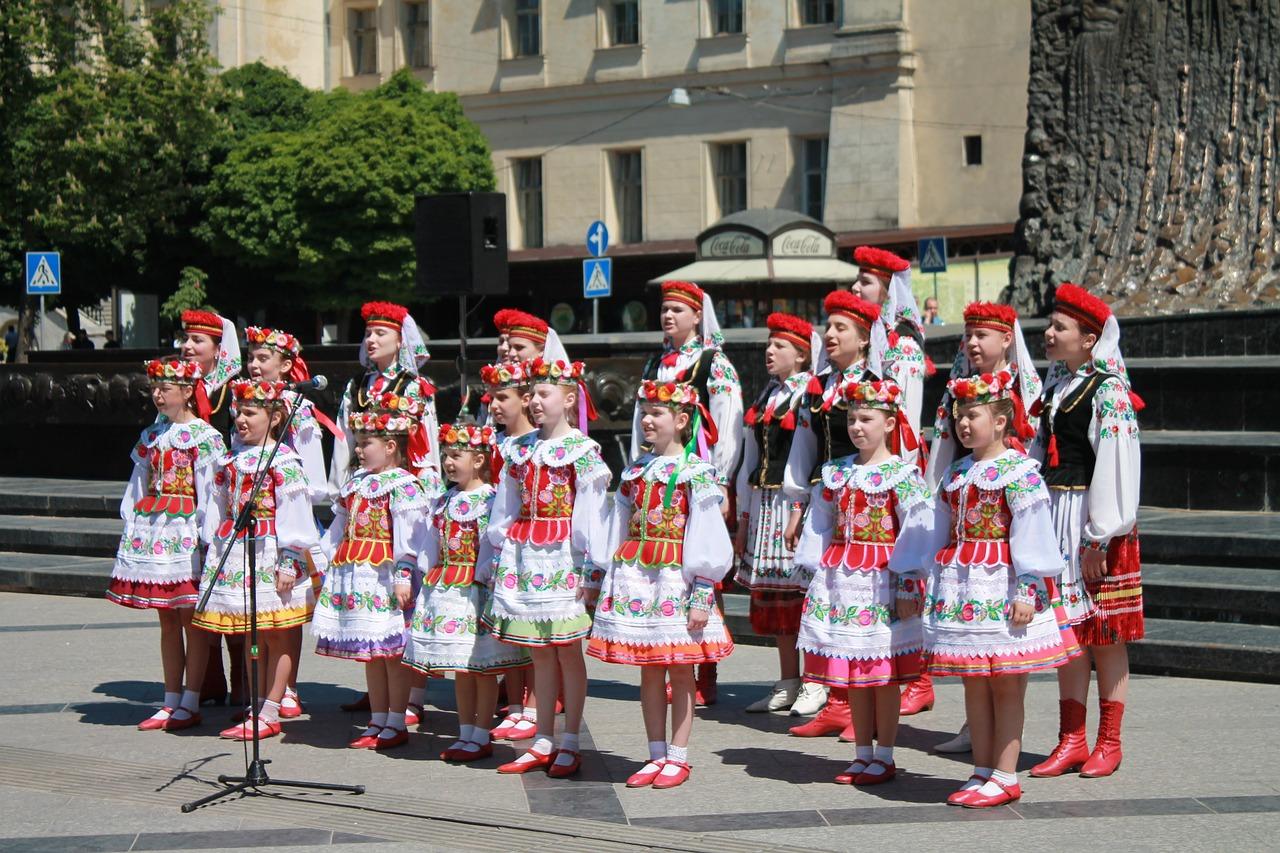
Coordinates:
<point>959,743</point>
<point>810,701</point>
<point>779,699</point>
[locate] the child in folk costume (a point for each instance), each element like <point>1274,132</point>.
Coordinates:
<point>990,559</point>
<point>284,535</point>
<point>549,522</point>
<point>767,568</point>
<point>884,279</point>
<point>1089,438</point>
<point>276,356</point>
<point>372,544</point>
<point>691,354</point>
<point>851,634</point>
<point>657,606</point>
<point>854,342</point>
<point>210,341</point>
<point>392,353</point>
<point>158,562</point>
<point>456,560</point>
<point>992,341</point>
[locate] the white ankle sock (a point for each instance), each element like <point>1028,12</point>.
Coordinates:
<point>172,700</point>
<point>376,721</point>
<point>270,712</point>
<point>884,753</point>
<point>479,735</point>
<point>417,695</point>
<point>541,746</point>
<point>657,750</point>
<point>678,753</point>
<point>568,741</point>
<point>974,784</point>
<point>188,705</point>
<point>526,723</point>
<point>395,722</point>
<point>530,714</point>
<point>465,732</point>
<point>865,753</point>
<point>290,699</point>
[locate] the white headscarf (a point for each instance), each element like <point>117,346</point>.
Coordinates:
<point>227,365</point>
<point>1105,358</point>
<point>711,336</point>
<point>553,348</point>
<point>901,302</point>
<point>413,348</point>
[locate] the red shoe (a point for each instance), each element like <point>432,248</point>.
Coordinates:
<point>289,712</point>
<point>976,800</point>
<point>539,762</point>
<point>244,731</point>
<point>669,693</point>
<point>890,770</point>
<point>706,691</point>
<point>847,777</point>
<point>663,782</point>
<point>1072,750</point>
<point>504,728</point>
<point>523,734</point>
<point>1106,756</point>
<point>361,704</point>
<point>366,741</point>
<point>917,697</point>
<point>155,723</point>
<point>462,756</point>
<point>848,735</point>
<point>400,738</point>
<point>175,725</point>
<point>413,714</point>
<point>833,718</point>
<point>643,779</point>
<point>958,798</point>
<point>560,704</point>
<point>564,771</point>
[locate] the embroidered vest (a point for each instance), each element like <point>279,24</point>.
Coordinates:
<point>240,486</point>
<point>866,529</point>
<point>368,535</point>
<point>655,533</point>
<point>546,503</point>
<point>459,551</point>
<point>171,482</point>
<point>774,443</point>
<point>980,521</point>
<point>830,424</point>
<point>1069,426</point>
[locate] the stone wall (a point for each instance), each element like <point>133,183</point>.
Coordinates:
<point>1149,172</point>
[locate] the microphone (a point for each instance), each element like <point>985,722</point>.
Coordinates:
<point>315,383</point>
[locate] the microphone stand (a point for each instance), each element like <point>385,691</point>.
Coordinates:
<point>255,775</point>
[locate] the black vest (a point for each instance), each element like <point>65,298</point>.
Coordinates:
<point>774,443</point>
<point>696,374</point>
<point>220,411</point>
<point>1070,428</point>
<point>831,427</point>
<point>360,398</point>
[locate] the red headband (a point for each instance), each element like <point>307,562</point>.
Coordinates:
<point>1074,301</point>
<point>855,308</point>
<point>683,291</point>
<point>881,262</point>
<point>386,314</point>
<point>205,322</point>
<point>790,328</point>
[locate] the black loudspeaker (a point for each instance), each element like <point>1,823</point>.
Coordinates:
<point>461,243</point>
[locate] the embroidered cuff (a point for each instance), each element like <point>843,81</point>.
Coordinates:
<point>910,588</point>
<point>1029,587</point>
<point>722,479</point>
<point>1093,545</point>
<point>402,574</point>
<point>289,569</point>
<point>703,596</point>
<point>592,576</point>
<point>293,554</point>
<point>797,506</point>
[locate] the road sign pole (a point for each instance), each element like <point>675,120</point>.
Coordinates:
<point>595,316</point>
<point>935,285</point>
<point>976,297</point>
<point>41,336</point>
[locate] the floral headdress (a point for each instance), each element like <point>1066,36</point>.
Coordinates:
<point>885,395</point>
<point>389,414</point>
<point>173,370</point>
<point>571,374</point>
<point>702,428</point>
<point>983,388</point>
<point>258,392</point>
<point>506,374</point>
<point>472,437</point>
<point>282,342</point>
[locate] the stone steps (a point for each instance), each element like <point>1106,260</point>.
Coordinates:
<point>66,498</point>
<point>1211,469</point>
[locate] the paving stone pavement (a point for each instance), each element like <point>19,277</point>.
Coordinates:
<point>1199,770</point>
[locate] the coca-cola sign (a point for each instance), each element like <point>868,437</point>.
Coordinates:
<point>803,243</point>
<point>732,244</point>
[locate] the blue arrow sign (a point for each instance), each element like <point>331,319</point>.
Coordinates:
<point>597,278</point>
<point>932,252</point>
<point>44,273</point>
<point>597,239</point>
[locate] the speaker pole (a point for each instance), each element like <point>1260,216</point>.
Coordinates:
<point>464,391</point>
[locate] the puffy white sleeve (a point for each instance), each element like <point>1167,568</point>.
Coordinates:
<point>908,372</point>
<point>218,509</point>
<point>1117,469</point>
<point>332,537</point>
<point>636,438</point>
<point>1033,542</point>
<point>307,445</point>
<point>295,525</point>
<point>428,544</point>
<point>340,466</point>
<point>485,558</point>
<point>802,458</point>
<point>750,458</point>
<point>915,513</point>
<point>924,530</point>
<point>590,522</point>
<point>708,551</point>
<point>815,535</point>
<point>136,489</point>
<point>725,406</point>
<point>208,460</point>
<point>506,509</point>
<point>406,535</point>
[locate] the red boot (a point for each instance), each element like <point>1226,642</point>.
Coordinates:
<point>830,720</point>
<point>1106,756</point>
<point>917,697</point>
<point>706,686</point>
<point>1073,748</point>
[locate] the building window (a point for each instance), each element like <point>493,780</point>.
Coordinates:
<point>726,17</point>
<point>628,195</point>
<point>529,200</point>
<point>624,22</point>
<point>363,31</point>
<point>973,150</point>
<point>417,34</point>
<point>814,12</point>
<point>729,162</point>
<point>814,163</point>
<point>528,29</point>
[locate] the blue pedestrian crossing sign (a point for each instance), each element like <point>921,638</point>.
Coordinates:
<point>597,239</point>
<point>932,252</point>
<point>44,273</point>
<point>597,278</point>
